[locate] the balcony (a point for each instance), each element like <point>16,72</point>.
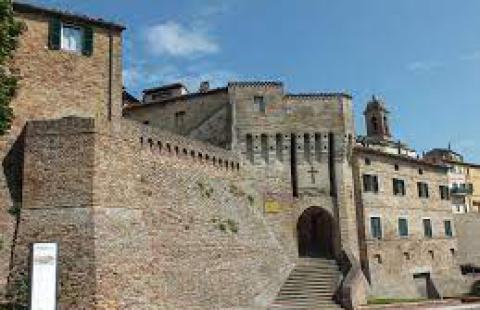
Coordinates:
<point>462,189</point>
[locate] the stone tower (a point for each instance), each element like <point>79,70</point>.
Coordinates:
<point>376,120</point>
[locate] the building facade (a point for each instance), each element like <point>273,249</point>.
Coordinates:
<point>68,65</point>
<point>237,196</point>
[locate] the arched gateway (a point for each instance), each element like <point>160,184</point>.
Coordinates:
<point>315,233</point>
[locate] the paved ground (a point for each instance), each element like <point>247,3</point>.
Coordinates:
<point>430,307</point>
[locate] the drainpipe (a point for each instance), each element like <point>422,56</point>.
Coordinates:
<point>110,75</point>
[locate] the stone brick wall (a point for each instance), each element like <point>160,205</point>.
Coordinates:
<point>312,120</point>
<point>52,84</point>
<point>467,227</point>
<point>206,116</point>
<point>56,207</point>
<point>385,261</point>
<point>146,227</point>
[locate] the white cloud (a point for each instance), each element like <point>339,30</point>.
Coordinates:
<point>424,65</point>
<point>471,56</point>
<point>174,39</point>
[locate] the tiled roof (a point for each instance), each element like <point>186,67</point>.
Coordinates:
<point>254,83</point>
<point>164,87</point>
<point>419,161</point>
<point>173,99</point>
<point>30,8</point>
<point>126,96</point>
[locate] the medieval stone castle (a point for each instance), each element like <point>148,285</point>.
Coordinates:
<point>239,197</point>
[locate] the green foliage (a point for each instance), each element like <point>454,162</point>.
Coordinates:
<point>251,200</point>
<point>10,29</point>
<point>225,225</point>
<point>2,242</point>
<point>206,191</point>
<point>232,225</point>
<point>14,210</point>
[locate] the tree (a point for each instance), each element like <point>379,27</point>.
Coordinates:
<point>10,29</point>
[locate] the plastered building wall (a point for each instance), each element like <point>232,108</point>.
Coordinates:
<point>391,262</point>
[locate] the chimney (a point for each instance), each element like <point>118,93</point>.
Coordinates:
<point>204,86</point>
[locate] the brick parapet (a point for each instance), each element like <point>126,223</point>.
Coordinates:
<point>164,142</point>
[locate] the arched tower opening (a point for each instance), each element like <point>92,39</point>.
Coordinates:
<point>376,119</point>
<point>316,233</point>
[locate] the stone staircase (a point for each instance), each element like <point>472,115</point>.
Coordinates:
<point>310,285</point>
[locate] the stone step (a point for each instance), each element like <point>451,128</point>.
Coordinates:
<point>302,286</point>
<point>313,296</point>
<point>320,289</point>
<point>310,285</point>
<point>312,305</point>
<point>330,279</point>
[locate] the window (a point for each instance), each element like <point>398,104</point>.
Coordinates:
<point>448,228</point>
<point>250,148</point>
<point>398,187</point>
<point>368,162</point>
<point>69,37</point>
<point>420,171</point>
<point>444,192</point>
<point>259,104</point>
<point>72,38</point>
<point>403,227</point>
<point>306,147</point>
<point>318,147</point>
<point>376,227</point>
<point>375,124</point>
<point>370,183</point>
<point>397,167</point>
<point>264,145</point>
<point>422,190</point>
<point>279,146</point>
<point>427,228</point>
<point>179,119</point>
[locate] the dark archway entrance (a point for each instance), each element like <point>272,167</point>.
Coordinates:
<point>315,232</point>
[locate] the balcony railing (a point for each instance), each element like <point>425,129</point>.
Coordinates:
<point>463,189</point>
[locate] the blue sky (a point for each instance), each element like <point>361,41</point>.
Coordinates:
<point>421,56</point>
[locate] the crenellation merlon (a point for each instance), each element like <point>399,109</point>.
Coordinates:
<point>307,96</point>
<point>62,126</point>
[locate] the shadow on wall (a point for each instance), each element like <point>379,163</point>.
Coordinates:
<point>13,171</point>
<point>475,289</point>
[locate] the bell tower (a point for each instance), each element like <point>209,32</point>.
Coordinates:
<point>376,120</point>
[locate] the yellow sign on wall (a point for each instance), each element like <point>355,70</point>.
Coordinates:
<point>272,206</point>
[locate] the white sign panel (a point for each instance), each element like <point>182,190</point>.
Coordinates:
<point>44,276</point>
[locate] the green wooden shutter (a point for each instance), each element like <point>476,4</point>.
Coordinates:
<point>87,46</point>
<point>54,34</point>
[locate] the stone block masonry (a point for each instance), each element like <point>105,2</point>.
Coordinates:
<point>53,84</point>
<point>186,237</point>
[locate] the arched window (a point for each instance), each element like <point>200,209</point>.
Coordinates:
<point>264,144</point>
<point>375,123</point>
<point>385,124</point>
<point>279,146</point>
<point>250,148</point>
<point>306,147</point>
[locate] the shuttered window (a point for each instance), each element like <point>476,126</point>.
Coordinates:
<point>70,37</point>
<point>398,187</point>
<point>403,227</point>
<point>370,183</point>
<point>376,227</point>
<point>422,190</point>
<point>427,228</point>
<point>448,228</point>
<point>54,32</point>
